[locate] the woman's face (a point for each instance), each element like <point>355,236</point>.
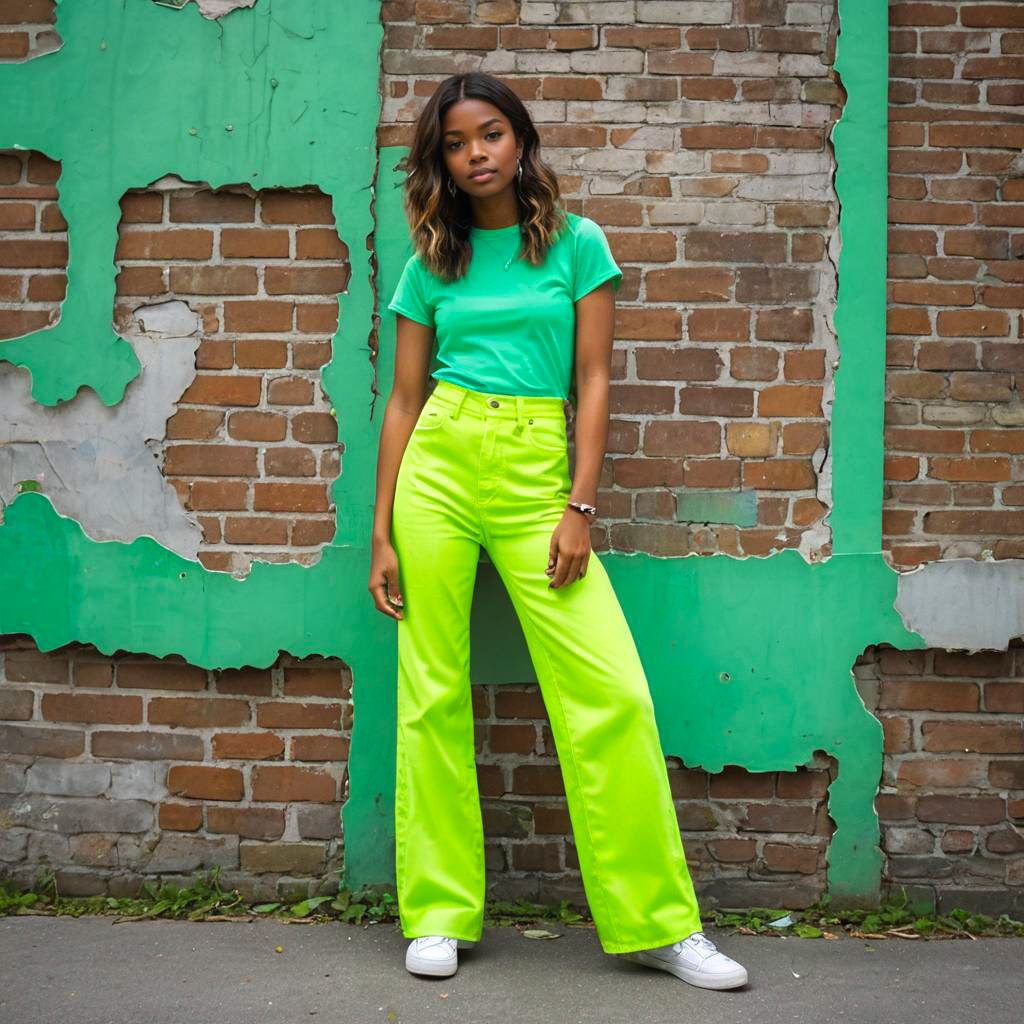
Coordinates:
<point>477,138</point>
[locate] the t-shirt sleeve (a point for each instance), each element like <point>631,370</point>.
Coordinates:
<point>594,261</point>
<point>412,294</point>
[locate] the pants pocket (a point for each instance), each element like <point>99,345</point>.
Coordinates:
<point>547,435</point>
<point>431,417</point>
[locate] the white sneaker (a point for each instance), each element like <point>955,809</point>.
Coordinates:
<point>695,959</point>
<point>435,955</point>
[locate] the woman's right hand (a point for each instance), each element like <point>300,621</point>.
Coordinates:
<point>384,580</point>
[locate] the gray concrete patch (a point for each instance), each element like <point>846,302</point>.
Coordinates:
<point>963,604</point>
<point>164,972</point>
<point>99,464</point>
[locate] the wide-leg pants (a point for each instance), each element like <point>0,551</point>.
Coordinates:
<point>492,470</point>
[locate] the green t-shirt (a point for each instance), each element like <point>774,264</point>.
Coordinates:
<point>510,332</point>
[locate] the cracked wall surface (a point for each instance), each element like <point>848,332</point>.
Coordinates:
<point>98,463</point>
<point>251,448</point>
<point>749,658</point>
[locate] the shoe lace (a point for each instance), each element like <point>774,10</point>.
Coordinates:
<point>426,941</point>
<point>699,941</point>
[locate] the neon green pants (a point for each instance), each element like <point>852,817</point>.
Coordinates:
<point>492,470</point>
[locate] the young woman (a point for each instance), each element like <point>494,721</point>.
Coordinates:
<point>519,295</point>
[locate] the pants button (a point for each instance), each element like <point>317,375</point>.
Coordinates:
<point>495,403</point>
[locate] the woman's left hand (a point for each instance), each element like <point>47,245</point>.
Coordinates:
<point>569,551</point>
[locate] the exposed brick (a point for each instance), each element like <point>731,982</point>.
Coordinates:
<point>247,822</point>
<point>716,401</point>
<point>961,810</point>
<point>981,737</point>
<point>290,783</point>
<point>205,782</point>
<point>223,389</point>
<point>754,363</point>
<point>16,705</point>
<point>180,817</point>
<point>210,460</point>
<point>197,712</point>
<point>316,681</point>
<point>783,857</point>
<point>255,243</point>
<point>319,748</point>
<point>778,818</point>
<point>247,746</point>
<point>789,400</point>
<point>164,675</point>
<point>1006,774</point>
<point>733,851</point>
<point>91,708</point>
<point>146,746</point>
<point>928,696</point>
<point>736,783</point>
<point>779,475</point>
<point>291,207</point>
<point>540,780</point>
<point>212,207</point>
<point>295,715</point>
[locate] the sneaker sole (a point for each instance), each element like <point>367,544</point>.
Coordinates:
<point>431,967</point>
<point>733,979</point>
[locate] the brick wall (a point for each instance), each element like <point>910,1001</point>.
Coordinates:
<point>956,288</point>
<point>252,448</point>
<point>33,243</point>
<point>697,137</point>
<point>702,150</point>
<point>951,800</point>
<point>26,29</point>
<point>118,768</point>
<point>751,838</point>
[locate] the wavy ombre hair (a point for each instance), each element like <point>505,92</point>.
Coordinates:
<point>439,223</point>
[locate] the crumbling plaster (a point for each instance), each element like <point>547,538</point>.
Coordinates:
<point>748,659</point>
<point>963,603</point>
<point>99,464</point>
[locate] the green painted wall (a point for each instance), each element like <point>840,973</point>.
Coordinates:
<point>749,660</point>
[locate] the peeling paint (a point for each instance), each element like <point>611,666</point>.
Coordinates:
<point>749,660</point>
<point>227,111</point>
<point>218,8</point>
<point>95,462</point>
<point>208,8</point>
<point>964,604</point>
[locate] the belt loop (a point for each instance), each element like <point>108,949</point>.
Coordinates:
<point>459,403</point>
<point>519,414</point>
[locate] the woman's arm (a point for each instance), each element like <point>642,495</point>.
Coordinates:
<point>569,550</point>
<point>595,331</point>
<point>413,345</point>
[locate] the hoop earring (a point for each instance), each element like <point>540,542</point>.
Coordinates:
<point>453,191</point>
<point>519,170</point>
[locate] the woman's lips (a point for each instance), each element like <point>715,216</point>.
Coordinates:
<point>484,176</point>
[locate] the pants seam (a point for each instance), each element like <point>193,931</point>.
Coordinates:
<point>572,754</point>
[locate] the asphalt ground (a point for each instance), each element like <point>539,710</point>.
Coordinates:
<point>91,970</point>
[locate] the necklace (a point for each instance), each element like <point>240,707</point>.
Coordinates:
<point>490,245</point>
